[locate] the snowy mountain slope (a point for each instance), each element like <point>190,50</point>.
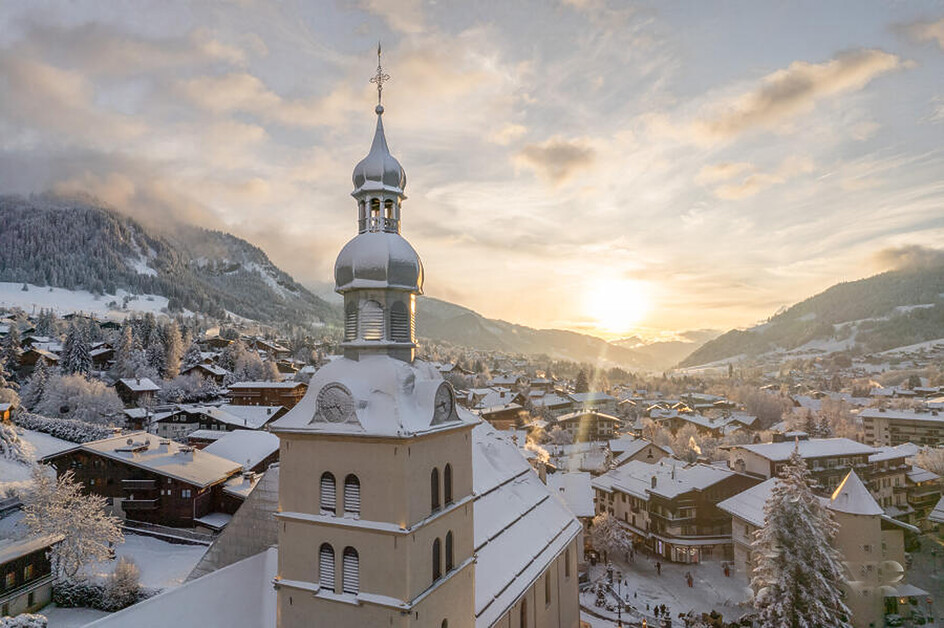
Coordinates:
<point>893,309</point>
<point>78,246</point>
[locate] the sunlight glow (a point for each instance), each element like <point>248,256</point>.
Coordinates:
<point>618,306</point>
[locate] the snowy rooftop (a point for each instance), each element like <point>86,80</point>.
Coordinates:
<point>388,397</point>
<point>812,448</point>
<point>749,505</point>
<point>853,498</point>
<point>672,478</point>
<point>139,384</point>
<point>590,397</point>
<point>251,417</point>
<point>519,527</point>
<point>905,450</point>
<point>576,416</point>
<point>574,490</point>
<point>917,474</point>
<point>206,435</point>
<point>246,447</point>
<point>286,385</point>
<point>165,457</point>
<point>908,415</point>
<point>11,549</point>
<point>240,594</point>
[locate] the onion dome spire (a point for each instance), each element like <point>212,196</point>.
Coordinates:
<point>378,272</point>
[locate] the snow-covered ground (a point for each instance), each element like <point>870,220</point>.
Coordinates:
<point>163,565</point>
<point>643,587</point>
<point>64,301</point>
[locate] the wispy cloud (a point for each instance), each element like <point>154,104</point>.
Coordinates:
<point>556,159</point>
<point>927,30</point>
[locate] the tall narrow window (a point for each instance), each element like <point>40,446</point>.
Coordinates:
<point>524,613</point>
<point>372,321</point>
<point>434,489</point>
<point>437,560</point>
<point>350,576</point>
<point>350,321</point>
<point>326,566</point>
<point>400,322</point>
<point>447,484</point>
<point>352,495</point>
<point>450,563</point>
<point>328,493</point>
<point>547,588</point>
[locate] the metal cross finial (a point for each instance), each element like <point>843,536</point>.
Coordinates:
<point>380,78</point>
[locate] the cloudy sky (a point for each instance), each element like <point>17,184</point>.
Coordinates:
<point>611,167</point>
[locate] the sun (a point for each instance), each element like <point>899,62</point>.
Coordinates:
<point>618,306</point>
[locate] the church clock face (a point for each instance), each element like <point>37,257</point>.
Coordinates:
<point>335,404</point>
<point>444,403</point>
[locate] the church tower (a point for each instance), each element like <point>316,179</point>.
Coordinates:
<point>375,498</point>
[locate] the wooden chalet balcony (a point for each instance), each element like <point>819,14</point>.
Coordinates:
<point>31,585</point>
<point>140,504</point>
<point>138,485</point>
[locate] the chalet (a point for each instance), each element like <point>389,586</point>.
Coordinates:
<point>588,425</point>
<point>136,391</point>
<point>672,509</point>
<point>149,479</point>
<point>218,342</point>
<point>714,424</point>
<point>628,449</point>
<point>209,371</point>
<point>102,355</point>
<point>829,459</point>
<point>598,401</point>
<point>27,574</point>
<point>31,356</point>
<point>271,348</point>
<point>478,398</point>
<point>508,381</point>
<point>553,404</point>
<point>285,394</point>
<point>186,418</point>
<point>503,417</point>
<point>199,439</point>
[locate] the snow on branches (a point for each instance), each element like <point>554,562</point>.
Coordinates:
<point>58,506</point>
<point>607,535</point>
<point>797,574</point>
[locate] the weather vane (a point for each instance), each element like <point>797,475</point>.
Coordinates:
<point>380,78</point>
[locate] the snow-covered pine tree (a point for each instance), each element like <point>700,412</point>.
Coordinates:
<point>11,348</point>
<point>156,350</point>
<point>124,351</point>
<point>60,506</point>
<point>192,358</point>
<point>582,385</point>
<point>173,350</point>
<point>32,392</point>
<point>76,352</point>
<point>798,575</point>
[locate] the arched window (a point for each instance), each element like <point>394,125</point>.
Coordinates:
<point>400,322</point>
<point>447,484</point>
<point>329,498</point>
<point>372,321</point>
<point>445,624</point>
<point>434,489</point>
<point>326,566</point>
<point>388,209</point>
<point>450,563</point>
<point>350,576</point>
<point>352,495</point>
<point>524,613</point>
<point>350,321</point>
<point>437,562</point>
<point>375,208</point>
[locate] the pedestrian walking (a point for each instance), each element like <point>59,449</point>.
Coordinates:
<point>658,568</point>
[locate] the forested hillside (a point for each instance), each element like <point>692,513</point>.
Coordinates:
<point>893,309</point>
<point>69,244</point>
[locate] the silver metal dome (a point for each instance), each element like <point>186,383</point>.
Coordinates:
<point>379,170</point>
<point>378,259</point>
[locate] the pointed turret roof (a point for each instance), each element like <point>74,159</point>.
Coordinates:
<point>852,497</point>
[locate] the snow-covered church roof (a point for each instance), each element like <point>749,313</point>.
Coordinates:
<point>852,497</point>
<point>380,395</point>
